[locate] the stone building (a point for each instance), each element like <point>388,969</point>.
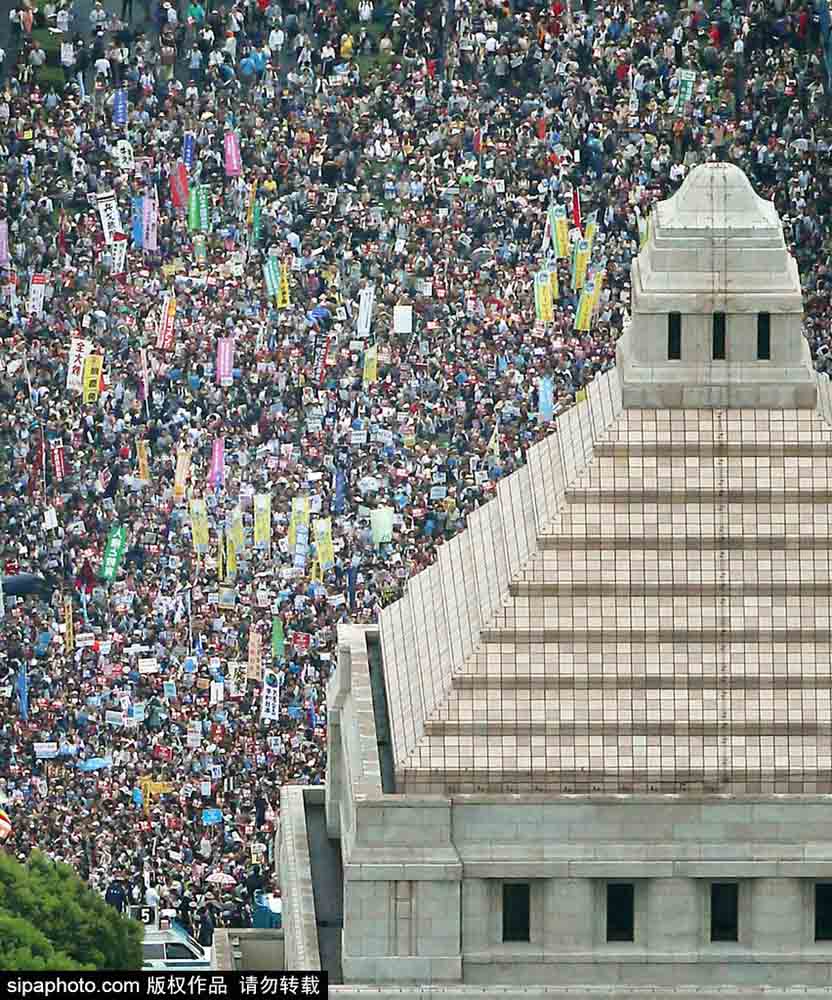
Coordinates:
<point>589,753</point>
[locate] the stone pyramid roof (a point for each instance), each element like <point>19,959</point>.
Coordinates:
<point>662,616</point>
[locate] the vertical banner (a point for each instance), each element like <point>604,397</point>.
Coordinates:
<point>58,461</point>
<point>4,243</point>
<point>543,307</point>
<point>167,320</point>
<point>216,474</point>
<point>583,315</point>
<point>150,221</point>
<point>69,625</point>
<point>366,299</point>
<point>79,351</point>
<point>545,400</point>
<point>193,210</point>
<point>108,212</point>
<point>271,275</point>
<point>591,229</point>
<point>137,224</point>
<point>143,460</point>
<point>255,664</point>
<point>204,215</point>
<point>581,264</point>
<point>189,150</point>
<point>270,705</point>
<point>37,295</point>
<point>278,639</point>
<point>381,524</point>
<point>119,254</point>
<point>179,186</point>
<point>284,299</point>
<point>252,201</point>
<point>183,468</point>
<point>561,235</point>
<point>120,108</point>
<point>370,373</point>
<point>233,163</point>
<point>236,532</point>
<point>323,542</point>
<point>553,282</point>
<point>113,552</point>
<point>199,525</point>
<point>322,346</point>
<point>263,521</point>
<point>225,361</point>
<point>93,367</point>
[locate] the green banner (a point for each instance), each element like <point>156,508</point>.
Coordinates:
<point>113,552</point>
<point>278,641</point>
<point>271,272</point>
<point>204,217</point>
<point>193,210</point>
<point>255,229</point>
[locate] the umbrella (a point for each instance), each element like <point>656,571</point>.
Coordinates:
<point>221,878</point>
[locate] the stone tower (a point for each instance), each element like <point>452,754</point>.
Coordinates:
<point>716,304</point>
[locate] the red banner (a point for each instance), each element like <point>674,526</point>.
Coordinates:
<point>179,185</point>
<point>58,463</point>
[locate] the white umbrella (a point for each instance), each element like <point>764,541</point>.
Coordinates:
<point>221,878</point>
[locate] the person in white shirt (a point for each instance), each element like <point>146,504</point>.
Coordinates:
<point>365,11</point>
<point>97,15</point>
<point>102,66</point>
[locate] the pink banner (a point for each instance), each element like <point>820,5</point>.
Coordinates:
<point>225,360</point>
<point>216,475</point>
<point>150,222</point>
<point>4,243</point>
<point>233,163</point>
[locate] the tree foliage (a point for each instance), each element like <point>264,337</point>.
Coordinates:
<point>48,915</point>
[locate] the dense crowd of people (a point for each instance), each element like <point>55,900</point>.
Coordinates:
<point>270,162</point>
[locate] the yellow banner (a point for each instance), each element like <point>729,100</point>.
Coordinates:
<point>598,282</point>
<point>230,557</point>
<point>323,542</point>
<point>583,317</point>
<point>69,625</point>
<point>371,365</point>
<point>236,534</point>
<point>93,367</point>
<point>284,299</point>
<point>199,524</point>
<point>591,230</point>
<point>581,264</point>
<point>553,282</point>
<point>252,198</point>
<point>543,297</point>
<point>144,463</point>
<point>262,521</point>
<point>561,232</point>
<point>183,468</point>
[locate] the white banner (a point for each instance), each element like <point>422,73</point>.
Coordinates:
<point>366,299</point>
<point>37,295</point>
<point>270,705</point>
<point>110,218</point>
<point>119,253</point>
<point>124,155</point>
<point>79,348</point>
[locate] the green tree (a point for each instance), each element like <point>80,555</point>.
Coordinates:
<point>56,918</point>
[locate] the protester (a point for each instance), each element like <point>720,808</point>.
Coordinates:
<point>410,148</point>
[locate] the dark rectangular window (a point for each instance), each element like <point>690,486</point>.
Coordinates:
<point>620,911</point>
<point>674,337</point>
<point>823,911</point>
<point>763,336</point>
<point>724,911</point>
<point>719,336</point>
<point>516,906</point>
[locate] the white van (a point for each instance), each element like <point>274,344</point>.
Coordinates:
<point>168,946</point>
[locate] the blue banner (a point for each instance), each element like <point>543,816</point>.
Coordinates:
<point>120,107</point>
<point>340,492</point>
<point>546,401</point>
<point>23,693</point>
<point>188,150</point>
<point>211,817</point>
<point>138,223</point>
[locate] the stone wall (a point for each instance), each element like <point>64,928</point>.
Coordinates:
<point>299,924</point>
